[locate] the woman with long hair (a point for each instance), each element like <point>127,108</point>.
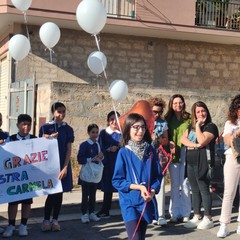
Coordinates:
<point>178,119</point>
<point>231,167</point>
<point>199,139</point>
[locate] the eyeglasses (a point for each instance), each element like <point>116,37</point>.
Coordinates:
<point>137,127</point>
<point>158,112</point>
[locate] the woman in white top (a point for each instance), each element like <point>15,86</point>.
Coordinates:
<point>231,167</point>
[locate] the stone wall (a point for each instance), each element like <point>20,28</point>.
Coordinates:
<point>150,66</point>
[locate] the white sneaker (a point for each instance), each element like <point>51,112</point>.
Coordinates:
<point>93,217</point>
<point>193,223</point>
<point>238,229</point>
<point>22,230</point>
<point>206,223</point>
<point>161,221</point>
<point>223,231</point>
<point>85,218</point>
<point>155,222</point>
<point>9,231</point>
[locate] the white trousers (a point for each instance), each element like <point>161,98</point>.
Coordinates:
<point>160,197</point>
<point>180,201</point>
<point>231,183</point>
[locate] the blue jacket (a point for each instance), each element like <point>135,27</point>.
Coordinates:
<point>129,169</point>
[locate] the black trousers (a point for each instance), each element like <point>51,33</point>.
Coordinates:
<point>107,202</point>
<point>88,198</point>
<point>200,190</point>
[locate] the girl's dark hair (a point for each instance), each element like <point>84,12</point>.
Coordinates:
<point>233,108</point>
<point>193,117</point>
<point>91,126</point>
<point>170,112</point>
<point>112,113</point>
<point>129,121</point>
<point>56,105</point>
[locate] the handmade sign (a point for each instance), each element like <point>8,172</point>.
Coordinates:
<point>29,169</point>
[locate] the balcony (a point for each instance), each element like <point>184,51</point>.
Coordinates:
<point>218,14</point>
<point>120,8</point>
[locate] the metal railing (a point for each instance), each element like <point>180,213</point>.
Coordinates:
<point>219,14</point>
<point>120,8</point>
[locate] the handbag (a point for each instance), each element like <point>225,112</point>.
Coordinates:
<point>215,171</point>
<point>92,171</point>
<point>235,146</point>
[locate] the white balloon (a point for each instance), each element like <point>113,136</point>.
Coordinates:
<point>49,34</point>
<point>22,5</point>
<point>97,62</point>
<point>118,90</point>
<point>19,47</point>
<point>91,16</point>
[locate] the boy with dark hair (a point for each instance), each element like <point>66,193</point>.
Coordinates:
<point>24,123</point>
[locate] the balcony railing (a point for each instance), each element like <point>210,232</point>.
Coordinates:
<point>120,8</point>
<point>220,14</point>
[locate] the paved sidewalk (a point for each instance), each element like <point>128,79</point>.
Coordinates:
<point>71,209</point>
<point>112,228</point>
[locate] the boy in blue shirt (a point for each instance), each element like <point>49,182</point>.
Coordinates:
<point>24,123</point>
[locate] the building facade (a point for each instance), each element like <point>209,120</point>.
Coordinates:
<point>157,47</point>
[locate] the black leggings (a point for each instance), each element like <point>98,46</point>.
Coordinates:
<point>53,203</point>
<point>140,233</point>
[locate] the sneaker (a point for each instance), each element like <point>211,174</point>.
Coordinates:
<point>85,218</point>
<point>93,217</point>
<point>161,221</point>
<point>46,226</point>
<point>238,229</point>
<point>186,219</point>
<point>22,230</point>
<point>223,231</point>
<point>9,231</point>
<point>193,223</point>
<point>155,222</point>
<point>206,223</point>
<point>55,226</point>
<point>102,214</point>
<point>173,220</point>
<point>1,230</point>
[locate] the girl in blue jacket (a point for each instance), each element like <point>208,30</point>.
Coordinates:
<point>137,177</point>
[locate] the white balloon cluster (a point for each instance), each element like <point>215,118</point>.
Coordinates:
<point>91,16</point>
<point>19,45</point>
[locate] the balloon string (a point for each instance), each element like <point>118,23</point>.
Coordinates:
<point>97,92</point>
<point>25,22</point>
<point>51,53</point>
<point>97,40</point>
